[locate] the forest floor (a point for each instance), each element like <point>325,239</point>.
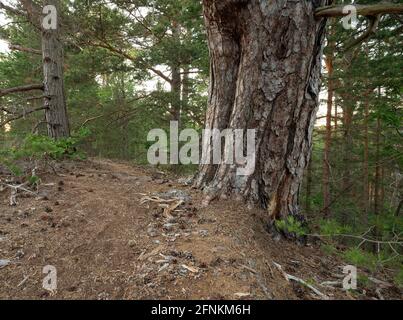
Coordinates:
<point>112,233</point>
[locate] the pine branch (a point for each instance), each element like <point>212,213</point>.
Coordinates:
<point>24,49</point>
<point>33,11</point>
<point>22,115</point>
<point>29,87</point>
<point>373,25</point>
<point>12,10</point>
<point>119,52</point>
<point>364,10</point>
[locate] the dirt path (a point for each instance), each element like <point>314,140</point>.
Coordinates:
<point>105,244</point>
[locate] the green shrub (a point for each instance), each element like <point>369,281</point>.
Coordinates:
<point>361,258</point>
<point>37,147</point>
<point>290,225</point>
<point>399,279</point>
<point>328,249</point>
<point>332,227</point>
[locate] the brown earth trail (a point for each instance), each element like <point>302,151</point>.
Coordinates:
<point>94,224</point>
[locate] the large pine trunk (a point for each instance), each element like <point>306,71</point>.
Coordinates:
<point>265,75</point>
<point>55,99</point>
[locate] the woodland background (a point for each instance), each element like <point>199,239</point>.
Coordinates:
<point>128,71</point>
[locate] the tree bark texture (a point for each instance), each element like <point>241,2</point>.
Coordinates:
<point>265,75</point>
<point>55,99</point>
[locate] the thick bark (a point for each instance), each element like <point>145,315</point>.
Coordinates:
<point>265,75</point>
<point>55,101</point>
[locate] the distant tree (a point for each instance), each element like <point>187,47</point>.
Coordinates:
<point>52,61</point>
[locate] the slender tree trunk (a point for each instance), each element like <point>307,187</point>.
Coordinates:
<point>328,137</point>
<point>176,93</point>
<point>377,182</point>
<point>377,168</point>
<point>2,130</point>
<point>308,191</point>
<point>55,99</point>
<point>53,77</point>
<point>176,78</point>
<point>382,195</point>
<point>336,117</point>
<point>347,153</point>
<point>399,208</point>
<point>185,89</point>
<point>366,196</point>
<point>265,75</point>
<point>121,99</point>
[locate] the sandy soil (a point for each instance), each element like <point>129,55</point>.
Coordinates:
<point>106,243</point>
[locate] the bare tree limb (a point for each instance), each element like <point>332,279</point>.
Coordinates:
<point>373,25</point>
<point>364,10</point>
<point>12,10</point>
<point>36,98</point>
<point>29,87</point>
<point>129,57</point>
<point>356,237</point>
<point>289,277</point>
<point>91,119</point>
<point>19,116</point>
<point>33,11</point>
<point>36,127</point>
<point>24,49</point>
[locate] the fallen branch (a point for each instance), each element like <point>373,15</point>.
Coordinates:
<point>13,198</point>
<point>18,187</point>
<point>380,283</point>
<point>171,208</point>
<point>332,284</point>
<point>323,296</point>
<point>249,269</point>
<point>379,294</point>
<point>356,237</point>
<point>155,199</point>
<point>289,277</point>
<point>23,281</point>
